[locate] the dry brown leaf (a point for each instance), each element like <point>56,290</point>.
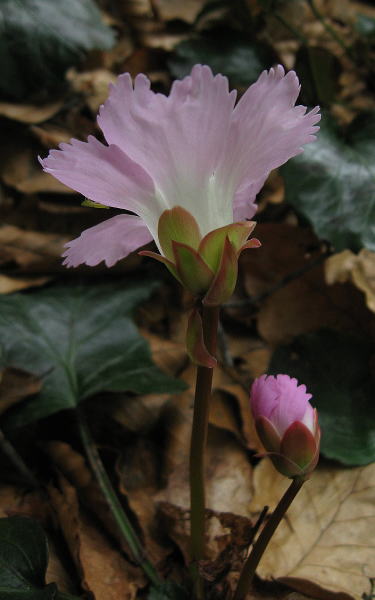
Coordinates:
<point>8,285</point>
<point>17,501</point>
<point>56,569</point>
<point>138,472</point>
<point>31,250</point>
<point>30,113</point>
<point>168,355</point>
<point>324,546</point>
<point>138,414</point>
<point>15,385</point>
<point>20,169</point>
<point>186,11</point>
<point>73,466</point>
<point>94,85</point>
<point>305,303</point>
<point>50,135</point>
<point>359,269</point>
<point>104,572</point>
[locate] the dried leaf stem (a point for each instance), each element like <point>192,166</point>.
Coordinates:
<point>113,501</point>
<point>249,568</point>
<point>210,321</point>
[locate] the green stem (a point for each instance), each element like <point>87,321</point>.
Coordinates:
<point>113,502</point>
<point>210,321</point>
<point>249,568</point>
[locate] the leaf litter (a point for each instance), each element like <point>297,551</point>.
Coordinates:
<point>293,286</point>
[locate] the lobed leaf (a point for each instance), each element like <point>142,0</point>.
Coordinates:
<point>80,341</point>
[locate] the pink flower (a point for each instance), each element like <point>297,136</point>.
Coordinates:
<point>286,423</point>
<point>192,149</point>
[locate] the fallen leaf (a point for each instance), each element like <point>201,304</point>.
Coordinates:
<point>20,169</point>
<point>324,545</point>
<point>50,135</point>
<point>94,85</point>
<point>104,572</point>
<point>185,11</point>
<point>8,285</point>
<point>359,269</point>
<point>138,470</point>
<point>138,414</point>
<point>15,385</point>
<point>293,296</point>
<point>31,250</point>
<point>30,113</point>
<point>168,355</point>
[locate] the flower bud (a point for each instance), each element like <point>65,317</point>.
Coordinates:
<point>286,423</point>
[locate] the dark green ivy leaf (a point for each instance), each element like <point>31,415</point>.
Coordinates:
<point>335,368</point>
<point>332,183</point>
<point>23,562</point>
<point>226,52</point>
<point>40,39</point>
<point>365,26</point>
<point>80,340</point>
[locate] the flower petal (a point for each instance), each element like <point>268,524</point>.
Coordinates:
<point>177,139</point>
<point>105,174</point>
<point>292,403</point>
<point>266,130</point>
<point>263,396</point>
<point>109,241</point>
<point>244,206</point>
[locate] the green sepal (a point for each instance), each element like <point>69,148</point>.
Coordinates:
<point>93,204</point>
<point>211,246</point>
<point>253,243</point>
<point>196,348</point>
<point>225,279</point>
<point>299,445</point>
<point>193,272</point>
<point>267,434</point>
<point>177,225</point>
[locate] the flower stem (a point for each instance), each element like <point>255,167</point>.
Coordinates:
<point>210,321</point>
<point>249,568</point>
<point>113,501</point>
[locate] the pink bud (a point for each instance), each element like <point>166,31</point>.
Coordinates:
<point>286,423</point>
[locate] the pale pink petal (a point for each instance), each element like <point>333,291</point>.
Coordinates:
<point>308,418</point>
<point>292,403</point>
<point>110,241</point>
<point>282,401</point>
<point>263,396</point>
<point>177,139</point>
<point>244,206</point>
<point>102,173</point>
<point>266,129</point>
